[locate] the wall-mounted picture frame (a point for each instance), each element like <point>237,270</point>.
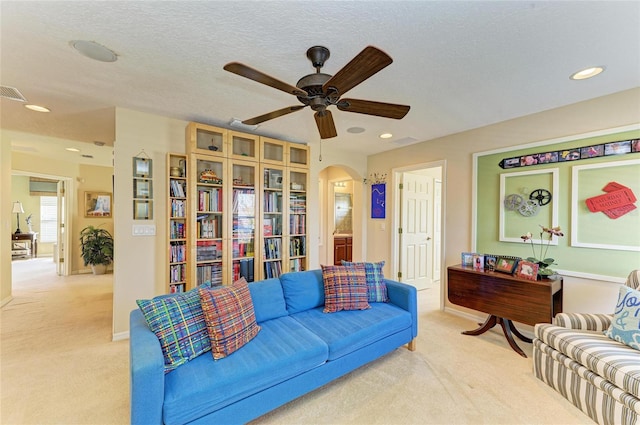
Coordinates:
<point>527,270</point>
<point>622,223</point>
<point>97,204</point>
<point>378,193</point>
<point>506,264</point>
<point>142,209</point>
<point>522,184</point>
<point>143,188</point>
<point>142,167</point>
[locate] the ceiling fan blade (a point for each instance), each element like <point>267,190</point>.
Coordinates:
<point>272,115</point>
<point>255,75</point>
<point>326,127</point>
<point>363,66</point>
<point>369,107</point>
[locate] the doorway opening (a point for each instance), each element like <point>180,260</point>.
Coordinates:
<point>418,215</point>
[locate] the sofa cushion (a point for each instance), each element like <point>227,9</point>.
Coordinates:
<point>348,331</point>
<point>302,290</point>
<point>178,322</point>
<point>268,299</point>
<point>611,360</point>
<point>625,325</point>
<point>345,288</point>
<point>284,348</point>
<point>230,318</point>
<point>376,288</point>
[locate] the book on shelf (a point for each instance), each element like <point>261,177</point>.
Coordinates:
<point>177,188</point>
<point>208,250</point>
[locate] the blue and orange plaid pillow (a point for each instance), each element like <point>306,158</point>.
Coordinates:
<point>345,288</point>
<point>230,317</point>
<point>377,289</point>
<point>179,323</point>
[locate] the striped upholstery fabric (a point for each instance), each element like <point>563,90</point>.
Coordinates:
<point>583,321</point>
<point>633,280</point>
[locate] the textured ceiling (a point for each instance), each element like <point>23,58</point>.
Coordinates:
<point>460,65</point>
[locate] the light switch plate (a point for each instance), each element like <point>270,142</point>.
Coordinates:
<point>143,230</point>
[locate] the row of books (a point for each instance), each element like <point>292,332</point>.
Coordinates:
<point>175,288</point>
<point>208,250</point>
<point>272,269</point>
<point>177,273</point>
<point>177,252</point>
<point>243,268</point>
<point>272,226</point>
<point>177,188</point>
<point>297,203</point>
<point>210,199</point>
<point>272,202</point>
<point>297,246</point>
<point>178,208</point>
<point>177,230</point>
<point>209,274</point>
<point>298,224</point>
<point>242,248</point>
<point>209,227</point>
<point>243,227</point>
<point>272,249</point>
<point>297,265</point>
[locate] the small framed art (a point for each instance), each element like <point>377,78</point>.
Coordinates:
<point>142,188</point>
<point>142,167</point>
<point>527,270</point>
<point>506,264</point>
<point>490,262</point>
<point>142,209</point>
<point>97,204</point>
<point>467,259</point>
<point>478,262</point>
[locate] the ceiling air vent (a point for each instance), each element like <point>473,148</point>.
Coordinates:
<point>87,156</point>
<point>11,93</point>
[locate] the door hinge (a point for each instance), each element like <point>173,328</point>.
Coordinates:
<point>399,275</point>
<point>400,186</point>
<point>399,230</point>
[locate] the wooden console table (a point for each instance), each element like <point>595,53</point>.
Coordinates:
<point>31,237</point>
<point>505,298</point>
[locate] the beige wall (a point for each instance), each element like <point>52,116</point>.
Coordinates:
<point>616,110</point>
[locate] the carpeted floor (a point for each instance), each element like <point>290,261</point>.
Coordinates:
<point>59,366</point>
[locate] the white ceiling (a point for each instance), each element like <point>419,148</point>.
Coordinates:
<point>460,65</point>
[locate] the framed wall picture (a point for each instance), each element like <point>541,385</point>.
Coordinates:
<point>142,209</point>
<point>142,188</point>
<point>378,193</point>
<point>142,167</point>
<point>97,204</point>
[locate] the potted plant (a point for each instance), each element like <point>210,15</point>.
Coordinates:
<point>97,248</point>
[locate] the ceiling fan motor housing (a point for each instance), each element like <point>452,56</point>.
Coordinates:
<point>312,84</point>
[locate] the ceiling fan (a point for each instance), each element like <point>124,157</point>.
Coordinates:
<point>320,90</point>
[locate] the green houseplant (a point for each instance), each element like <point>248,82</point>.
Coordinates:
<point>97,248</point>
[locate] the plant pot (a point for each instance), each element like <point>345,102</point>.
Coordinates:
<point>99,268</point>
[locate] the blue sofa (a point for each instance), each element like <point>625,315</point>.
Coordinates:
<point>298,349</point>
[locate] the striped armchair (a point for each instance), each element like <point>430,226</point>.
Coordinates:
<point>598,375</point>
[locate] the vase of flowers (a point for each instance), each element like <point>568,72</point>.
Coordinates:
<point>540,257</point>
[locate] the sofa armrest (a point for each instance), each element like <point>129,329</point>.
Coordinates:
<point>406,297</point>
<point>146,364</point>
<point>583,321</point>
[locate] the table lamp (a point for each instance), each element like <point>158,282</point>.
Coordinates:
<point>17,208</point>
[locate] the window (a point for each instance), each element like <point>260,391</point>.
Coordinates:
<point>48,219</point>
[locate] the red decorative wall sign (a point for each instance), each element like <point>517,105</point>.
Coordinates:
<point>616,202</point>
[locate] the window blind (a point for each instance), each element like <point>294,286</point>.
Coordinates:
<point>48,219</point>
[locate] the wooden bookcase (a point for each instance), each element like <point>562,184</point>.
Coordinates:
<point>177,222</point>
<point>246,206</point>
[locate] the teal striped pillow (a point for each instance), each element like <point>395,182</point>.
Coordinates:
<point>625,325</point>
<point>178,322</point>
<point>376,288</point>
<point>345,288</point>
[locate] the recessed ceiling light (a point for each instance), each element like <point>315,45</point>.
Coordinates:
<point>72,149</point>
<point>587,73</point>
<point>355,130</point>
<point>93,50</point>
<point>386,136</point>
<point>37,108</point>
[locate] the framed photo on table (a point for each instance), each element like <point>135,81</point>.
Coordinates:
<point>506,264</point>
<point>527,270</point>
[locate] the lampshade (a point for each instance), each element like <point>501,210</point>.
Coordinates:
<point>17,208</point>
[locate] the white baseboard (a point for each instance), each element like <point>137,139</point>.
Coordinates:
<point>6,301</point>
<point>120,336</point>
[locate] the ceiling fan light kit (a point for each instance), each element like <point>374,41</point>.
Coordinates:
<point>319,90</point>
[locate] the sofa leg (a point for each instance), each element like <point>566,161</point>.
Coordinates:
<point>412,345</point>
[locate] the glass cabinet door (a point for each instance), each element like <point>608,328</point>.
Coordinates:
<point>245,147</point>
<point>207,140</point>
<point>243,220</point>
<point>177,213</point>
<point>297,241</point>
<point>209,221</point>
<point>272,217</point>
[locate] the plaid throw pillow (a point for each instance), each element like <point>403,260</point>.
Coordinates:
<point>178,322</point>
<point>376,288</point>
<point>345,288</point>
<point>230,317</point>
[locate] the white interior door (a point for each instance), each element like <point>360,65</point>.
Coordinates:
<point>62,266</point>
<point>416,225</point>
<point>437,228</point>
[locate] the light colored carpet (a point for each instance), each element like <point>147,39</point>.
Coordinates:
<point>59,366</point>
